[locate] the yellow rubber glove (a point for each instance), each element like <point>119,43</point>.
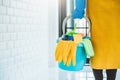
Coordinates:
<point>69,59</point>
<point>58,51</point>
<point>62,51</point>
<point>72,54</point>
<point>66,51</point>
<point>73,51</point>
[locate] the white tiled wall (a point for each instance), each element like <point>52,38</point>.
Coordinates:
<point>23,39</point>
<point>53,35</point>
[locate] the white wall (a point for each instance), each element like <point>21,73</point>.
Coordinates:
<point>53,34</point>
<point>24,39</point>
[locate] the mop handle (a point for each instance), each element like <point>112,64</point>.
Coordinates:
<point>68,17</point>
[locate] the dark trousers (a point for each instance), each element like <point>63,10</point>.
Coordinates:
<point>98,74</point>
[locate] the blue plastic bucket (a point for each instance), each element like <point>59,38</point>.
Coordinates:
<point>80,60</point>
<point>80,52</point>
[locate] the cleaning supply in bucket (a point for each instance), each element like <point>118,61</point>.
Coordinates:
<point>71,55</point>
<point>70,51</point>
<point>88,47</point>
<point>80,60</point>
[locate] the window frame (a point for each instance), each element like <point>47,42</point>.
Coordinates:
<point>62,15</point>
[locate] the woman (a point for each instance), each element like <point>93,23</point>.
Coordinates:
<point>105,34</point>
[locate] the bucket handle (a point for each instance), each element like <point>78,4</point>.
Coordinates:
<point>68,17</point>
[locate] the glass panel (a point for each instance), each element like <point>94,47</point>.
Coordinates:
<point>69,10</point>
<point>90,74</point>
<point>90,79</point>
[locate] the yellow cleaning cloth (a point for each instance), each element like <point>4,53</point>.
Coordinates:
<point>77,38</point>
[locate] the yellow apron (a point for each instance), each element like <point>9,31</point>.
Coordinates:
<point>105,33</point>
